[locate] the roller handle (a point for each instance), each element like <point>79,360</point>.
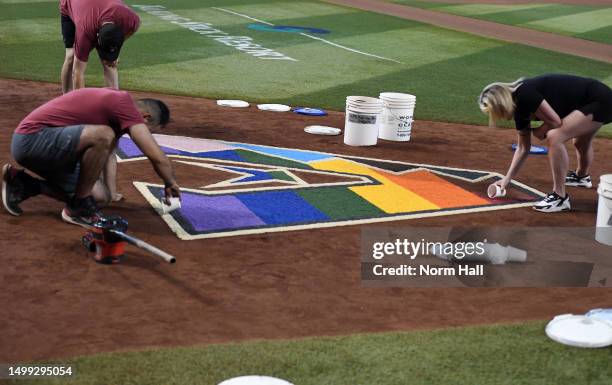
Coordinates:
<point>144,245</point>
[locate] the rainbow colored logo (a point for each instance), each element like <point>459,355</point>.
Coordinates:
<point>250,189</point>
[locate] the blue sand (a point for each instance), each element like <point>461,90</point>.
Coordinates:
<point>281,207</point>
<point>256,175</point>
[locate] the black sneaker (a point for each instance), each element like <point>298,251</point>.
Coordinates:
<point>12,190</point>
<point>83,212</point>
<point>572,179</point>
<point>553,203</point>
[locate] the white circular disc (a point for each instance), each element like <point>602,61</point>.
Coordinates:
<point>322,130</point>
<point>255,380</point>
<point>579,331</point>
<point>274,107</point>
<point>604,315</point>
<point>233,103</point>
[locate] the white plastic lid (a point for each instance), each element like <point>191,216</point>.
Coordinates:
<point>255,380</point>
<point>601,315</point>
<point>580,331</point>
<point>233,103</point>
<point>274,107</point>
<point>322,130</point>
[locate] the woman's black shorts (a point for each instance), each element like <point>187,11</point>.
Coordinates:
<point>599,102</point>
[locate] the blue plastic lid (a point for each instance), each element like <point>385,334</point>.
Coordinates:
<point>310,111</point>
<point>537,150</point>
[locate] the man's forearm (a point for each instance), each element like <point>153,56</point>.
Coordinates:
<point>110,174</point>
<point>164,171</point>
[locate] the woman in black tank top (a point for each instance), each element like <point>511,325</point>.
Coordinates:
<point>569,107</point>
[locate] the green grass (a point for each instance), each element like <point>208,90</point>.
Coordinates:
<point>444,68</point>
<point>492,355</point>
<point>582,21</point>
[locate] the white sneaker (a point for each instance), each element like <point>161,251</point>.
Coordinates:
<point>553,203</point>
<point>572,179</point>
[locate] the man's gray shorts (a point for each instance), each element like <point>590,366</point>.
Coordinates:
<point>51,153</point>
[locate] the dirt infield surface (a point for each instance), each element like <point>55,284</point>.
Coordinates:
<point>546,40</point>
<point>58,303</point>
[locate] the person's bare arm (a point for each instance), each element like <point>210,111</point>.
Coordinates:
<point>548,116</point>
<point>521,153</point>
<point>141,135</point>
<point>78,73</point>
<point>111,74</point>
<point>541,131</point>
<point>110,176</point>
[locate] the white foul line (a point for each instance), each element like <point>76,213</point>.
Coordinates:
<point>349,49</point>
<point>310,36</point>
<point>242,15</point>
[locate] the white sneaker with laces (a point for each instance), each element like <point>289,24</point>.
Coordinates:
<point>573,180</point>
<point>553,203</point>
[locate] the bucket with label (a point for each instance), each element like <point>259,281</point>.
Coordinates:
<point>397,116</point>
<point>362,120</point>
<point>603,233</point>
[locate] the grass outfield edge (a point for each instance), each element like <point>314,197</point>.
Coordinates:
<point>476,355</point>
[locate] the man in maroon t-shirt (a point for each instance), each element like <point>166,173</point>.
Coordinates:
<point>89,24</point>
<point>70,142</point>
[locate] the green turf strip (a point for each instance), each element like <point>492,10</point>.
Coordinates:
<point>339,203</point>
<point>14,11</point>
<point>600,34</point>
<point>577,23</point>
<point>492,355</point>
<point>522,16</point>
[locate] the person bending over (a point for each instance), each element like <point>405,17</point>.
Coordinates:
<point>569,107</point>
<point>89,24</point>
<point>70,142</point>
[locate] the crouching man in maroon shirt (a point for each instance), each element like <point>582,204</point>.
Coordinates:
<point>70,142</point>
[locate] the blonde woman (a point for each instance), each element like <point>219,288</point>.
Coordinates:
<point>569,107</point>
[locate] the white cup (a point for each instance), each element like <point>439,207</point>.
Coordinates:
<point>175,203</point>
<point>496,191</point>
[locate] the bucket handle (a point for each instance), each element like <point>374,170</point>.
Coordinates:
<point>604,192</point>
<point>392,114</point>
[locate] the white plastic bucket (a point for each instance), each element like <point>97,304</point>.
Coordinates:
<point>397,116</point>
<point>603,233</point>
<point>362,120</point>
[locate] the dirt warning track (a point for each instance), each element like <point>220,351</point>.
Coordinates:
<point>59,303</point>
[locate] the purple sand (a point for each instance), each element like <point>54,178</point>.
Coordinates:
<point>207,213</point>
